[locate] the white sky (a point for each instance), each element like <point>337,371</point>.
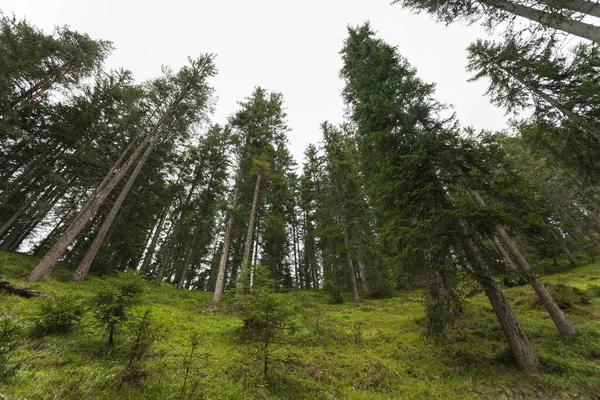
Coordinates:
<point>284,46</point>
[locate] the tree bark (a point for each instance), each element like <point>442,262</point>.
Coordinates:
<point>363,274</point>
<point>243,275</point>
<point>351,271</point>
<point>46,264</point>
<point>150,252</point>
<point>220,282</point>
<point>582,6</point>
<point>517,338</point>
<point>560,319</point>
<point>85,264</point>
<point>577,28</point>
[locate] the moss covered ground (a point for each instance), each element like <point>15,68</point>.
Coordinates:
<point>371,350</point>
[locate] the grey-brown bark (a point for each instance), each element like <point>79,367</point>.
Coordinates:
<point>85,264</point>
<point>517,338</point>
<point>245,268</point>
<point>46,264</point>
<point>568,25</point>
<point>581,6</point>
<point>351,272</point>
<point>220,281</point>
<point>561,321</point>
<point>363,273</point>
<point>152,247</point>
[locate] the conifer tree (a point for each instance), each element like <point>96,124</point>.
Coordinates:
<point>407,152</point>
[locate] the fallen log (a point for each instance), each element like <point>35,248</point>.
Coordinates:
<point>24,292</point>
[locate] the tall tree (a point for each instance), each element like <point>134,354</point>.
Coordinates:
<point>557,15</point>
<point>177,101</point>
<point>407,150</point>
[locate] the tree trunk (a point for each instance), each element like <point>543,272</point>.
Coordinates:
<point>363,274</point>
<point>14,218</point>
<point>574,117</point>
<point>577,28</point>
<point>243,275</point>
<point>582,6</point>
<point>188,260</point>
<point>150,252</point>
<point>517,338</point>
<point>353,285</point>
<point>46,264</point>
<point>560,319</point>
<point>220,282</point>
<point>10,239</point>
<point>85,264</point>
<point>186,267</point>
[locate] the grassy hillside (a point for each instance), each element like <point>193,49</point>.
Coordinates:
<point>371,350</point>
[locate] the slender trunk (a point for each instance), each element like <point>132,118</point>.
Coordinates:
<point>574,27</point>
<point>563,246</point>
<point>256,244</point>
<point>11,238</point>
<point>574,261</point>
<point>188,260</point>
<point>186,267</point>
<point>296,278</point>
<point>85,264</point>
<point>160,274</point>
<point>243,275</point>
<point>353,285</point>
<point>574,117</point>
<point>14,218</point>
<point>517,338</point>
<point>560,319</point>
<point>43,87</point>
<point>150,252</point>
<point>46,264</point>
<point>582,6</point>
<point>363,273</point>
<point>220,281</point>
<point>25,226</point>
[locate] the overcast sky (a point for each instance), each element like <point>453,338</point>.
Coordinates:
<point>287,46</point>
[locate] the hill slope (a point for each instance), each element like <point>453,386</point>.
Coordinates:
<point>371,350</point>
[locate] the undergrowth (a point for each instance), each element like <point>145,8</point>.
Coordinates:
<point>176,345</point>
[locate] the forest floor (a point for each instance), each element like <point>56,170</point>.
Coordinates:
<point>375,349</point>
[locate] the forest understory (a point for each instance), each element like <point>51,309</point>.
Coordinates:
<point>372,350</point>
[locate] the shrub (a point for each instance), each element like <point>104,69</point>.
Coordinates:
<point>142,333</point>
<point>116,296</point>
<point>10,332</point>
<point>58,315</point>
<point>266,316</point>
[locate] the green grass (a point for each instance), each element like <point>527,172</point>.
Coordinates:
<point>371,350</point>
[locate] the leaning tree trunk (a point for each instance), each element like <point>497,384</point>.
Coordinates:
<point>46,264</point>
<point>85,264</point>
<point>560,319</point>
<point>568,25</point>
<point>244,271</point>
<point>188,260</point>
<point>517,338</point>
<point>150,251</point>
<point>581,6</point>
